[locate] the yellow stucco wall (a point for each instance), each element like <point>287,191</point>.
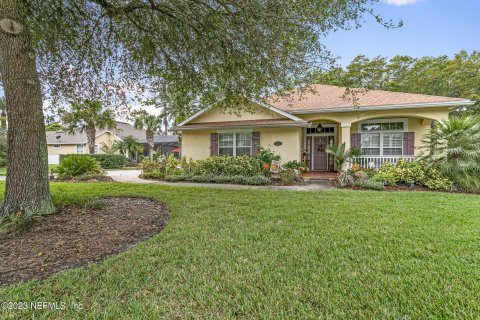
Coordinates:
<point>196,144</point>
<point>64,149</point>
<point>105,137</point>
<point>254,112</point>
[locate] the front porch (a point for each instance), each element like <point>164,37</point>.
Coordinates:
<point>375,162</point>
<point>377,140</point>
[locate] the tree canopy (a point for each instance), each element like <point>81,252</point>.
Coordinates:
<point>442,76</point>
<point>192,51</point>
<point>188,50</point>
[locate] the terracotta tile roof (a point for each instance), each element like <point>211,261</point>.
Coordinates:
<point>331,97</point>
<point>243,123</point>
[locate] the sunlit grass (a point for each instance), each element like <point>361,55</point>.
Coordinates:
<point>278,254</point>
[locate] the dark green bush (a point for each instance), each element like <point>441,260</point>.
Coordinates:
<point>106,161</point>
<point>297,165</point>
<point>110,161</point>
<point>78,165</point>
<point>152,174</point>
<point>3,162</point>
<point>226,165</point>
<point>238,179</point>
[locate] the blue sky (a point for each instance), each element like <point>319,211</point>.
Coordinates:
<point>431,28</point>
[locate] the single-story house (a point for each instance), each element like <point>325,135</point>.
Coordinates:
<point>386,126</point>
<point>60,142</point>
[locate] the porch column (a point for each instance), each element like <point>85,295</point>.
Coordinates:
<point>346,134</point>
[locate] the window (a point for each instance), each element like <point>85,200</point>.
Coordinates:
<point>95,149</point>
<point>80,148</point>
<point>371,144</point>
<point>383,137</point>
<point>57,146</point>
<point>392,144</point>
<point>316,128</point>
<point>235,144</point>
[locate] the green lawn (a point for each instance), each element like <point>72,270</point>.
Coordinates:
<point>225,254</point>
<point>3,170</point>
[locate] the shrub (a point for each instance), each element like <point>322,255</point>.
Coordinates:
<point>286,176</point>
<point>77,165</point>
<point>369,184</point>
<point>360,175</point>
<point>110,161</point>
<point>345,178</point>
<point>264,158</point>
<point>297,165</point>
<point>386,178</point>
<point>94,204</point>
<point>453,147</point>
<point>436,180</point>
<point>148,165</point>
<point>3,162</point>
<point>238,179</point>
<point>154,174</point>
<point>225,165</point>
<point>417,173</point>
<point>172,165</point>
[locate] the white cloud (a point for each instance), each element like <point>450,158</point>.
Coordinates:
<point>400,2</point>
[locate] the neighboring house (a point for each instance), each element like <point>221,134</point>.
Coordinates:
<point>386,126</point>
<point>61,142</point>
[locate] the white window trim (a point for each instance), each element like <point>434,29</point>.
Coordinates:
<point>97,148</point>
<point>404,120</point>
<point>83,148</point>
<point>382,132</point>
<point>234,140</point>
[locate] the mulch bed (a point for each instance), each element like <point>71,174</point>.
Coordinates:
<point>74,237</point>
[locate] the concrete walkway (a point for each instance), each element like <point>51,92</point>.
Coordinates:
<point>131,176</point>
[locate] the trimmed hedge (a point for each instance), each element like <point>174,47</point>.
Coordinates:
<point>106,161</point>
<point>110,161</point>
<point>250,180</point>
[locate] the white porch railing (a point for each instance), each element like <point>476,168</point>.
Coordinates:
<point>375,162</point>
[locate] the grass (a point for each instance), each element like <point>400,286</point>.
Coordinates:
<point>228,254</point>
<point>3,170</point>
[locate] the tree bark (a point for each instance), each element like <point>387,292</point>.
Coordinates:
<point>91,132</point>
<point>151,143</point>
<point>27,189</point>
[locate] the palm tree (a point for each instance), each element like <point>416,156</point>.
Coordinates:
<point>3,114</point>
<point>453,145</point>
<point>151,125</point>
<point>340,155</point>
<point>88,116</point>
<point>129,146</point>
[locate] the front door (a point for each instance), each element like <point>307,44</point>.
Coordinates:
<point>320,159</point>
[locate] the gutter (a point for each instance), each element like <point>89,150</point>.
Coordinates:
<point>179,128</point>
<point>387,107</point>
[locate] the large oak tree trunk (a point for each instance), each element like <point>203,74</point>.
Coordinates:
<point>27,188</point>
